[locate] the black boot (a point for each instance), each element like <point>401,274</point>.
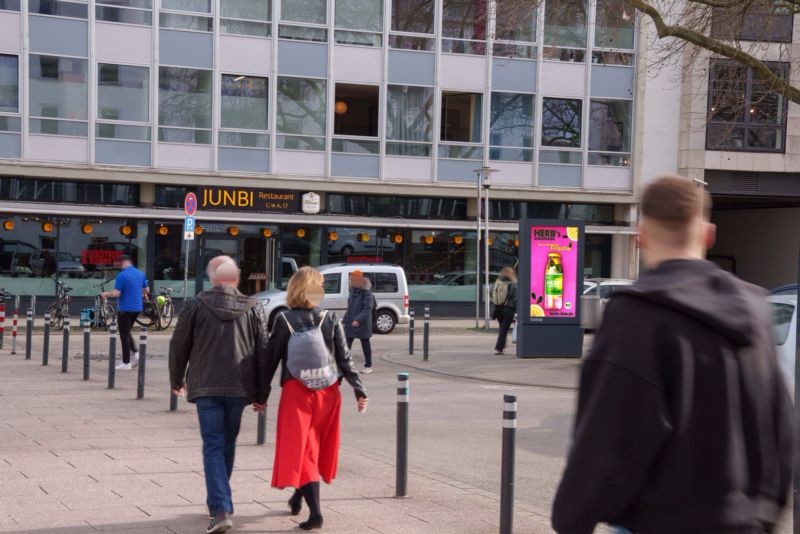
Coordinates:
<point>296,502</point>
<point>311,493</point>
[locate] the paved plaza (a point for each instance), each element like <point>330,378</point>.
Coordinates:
<point>77,457</point>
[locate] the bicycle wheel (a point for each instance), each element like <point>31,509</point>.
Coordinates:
<point>149,315</point>
<point>56,316</point>
<point>106,314</point>
<point>167,313</point>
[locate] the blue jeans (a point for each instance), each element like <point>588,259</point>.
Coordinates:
<point>220,419</point>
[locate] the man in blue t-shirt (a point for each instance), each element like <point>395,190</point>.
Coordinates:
<point>131,288</point>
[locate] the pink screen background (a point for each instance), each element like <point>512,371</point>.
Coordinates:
<point>569,261</point>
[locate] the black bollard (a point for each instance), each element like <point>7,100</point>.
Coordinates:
<point>14,321</point>
<point>87,332</point>
<point>2,318</point>
<point>507,474</point>
<point>411,333</point>
<point>142,360</point>
<point>261,431</point>
<point>173,401</point>
<point>401,480</point>
<point>65,348</point>
<point>426,332</point>
<point>28,333</point>
<point>46,341</point>
<point>112,355</point>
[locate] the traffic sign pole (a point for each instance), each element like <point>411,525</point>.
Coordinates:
<point>189,224</point>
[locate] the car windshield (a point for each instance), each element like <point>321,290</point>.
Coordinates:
<point>65,256</point>
<point>781,321</point>
<point>790,290</point>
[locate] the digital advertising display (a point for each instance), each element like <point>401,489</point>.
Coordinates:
<point>554,272</point>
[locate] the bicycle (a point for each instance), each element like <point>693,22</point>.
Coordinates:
<point>166,306</point>
<point>150,314</point>
<point>103,310</point>
<point>60,308</point>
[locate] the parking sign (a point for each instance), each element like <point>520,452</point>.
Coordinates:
<point>188,228</point>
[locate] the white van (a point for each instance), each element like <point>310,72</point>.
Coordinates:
<point>388,285</point>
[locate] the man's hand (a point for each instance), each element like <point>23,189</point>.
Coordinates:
<point>362,404</point>
<point>180,392</point>
<point>260,408</point>
<point>355,323</point>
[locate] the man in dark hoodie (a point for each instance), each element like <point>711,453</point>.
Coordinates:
<point>221,337</point>
<point>684,424</point>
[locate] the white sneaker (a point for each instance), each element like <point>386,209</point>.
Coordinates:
<point>134,359</point>
<point>123,367</point>
<point>366,370</point>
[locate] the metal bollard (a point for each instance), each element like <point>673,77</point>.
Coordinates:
<point>2,319</point>
<point>28,333</point>
<point>507,474</point>
<point>426,332</point>
<point>261,433</point>
<point>173,401</point>
<point>65,349</point>
<point>401,480</point>
<point>87,332</point>
<point>112,355</point>
<point>33,304</point>
<point>411,333</point>
<point>142,360</point>
<point>46,341</point>
<point>14,321</point>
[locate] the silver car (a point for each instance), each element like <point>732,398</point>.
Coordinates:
<point>784,326</point>
<point>389,287</point>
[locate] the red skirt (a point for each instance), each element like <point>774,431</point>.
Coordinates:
<point>307,443</point>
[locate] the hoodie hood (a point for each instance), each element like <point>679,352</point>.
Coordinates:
<point>226,303</point>
<point>704,292</point>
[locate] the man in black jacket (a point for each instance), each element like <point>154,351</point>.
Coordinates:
<point>684,423</point>
<point>221,336</point>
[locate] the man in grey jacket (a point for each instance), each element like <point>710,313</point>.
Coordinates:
<point>221,337</point>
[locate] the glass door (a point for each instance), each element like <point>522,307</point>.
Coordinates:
<point>211,247</point>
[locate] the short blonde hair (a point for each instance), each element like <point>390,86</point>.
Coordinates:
<point>299,284</point>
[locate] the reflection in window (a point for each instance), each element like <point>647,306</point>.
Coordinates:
<point>359,22</point>
<point>753,21</point>
<point>412,16</point>
<point>464,26</point>
<point>614,26</point>
<point>461,117</point>
<point>408,207</point>
<point>246,17</point>
<point>9,83</point>
<point>610,131</point>
<point>177,21</point>
<point>10,5</point>
<point>244,102</point>
<point>184,97</point>
<point>301,112</point>
<point>310,11</point>
<point>745,112</point>
<point>409,120</point>
<point>125,11</point>
<point>197,6</point>
<point>516,21</point>
<point>356,110</point>
<point>565,30</point>
<point>561,122</point>
<point>511,126</point>
<point>58,8</point>
<point>123,92</point>
<point>58,90</point>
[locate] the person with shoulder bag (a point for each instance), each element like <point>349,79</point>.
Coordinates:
<point>358,318</point>
<point>309,345</point>
<point>504,299</point>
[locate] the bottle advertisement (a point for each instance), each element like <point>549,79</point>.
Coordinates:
<point>554,272</point>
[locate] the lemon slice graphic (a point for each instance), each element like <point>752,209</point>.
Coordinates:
<point>572,233</point>
<point>536,311</point>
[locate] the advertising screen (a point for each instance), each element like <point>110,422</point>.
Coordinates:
<point>554,272</point>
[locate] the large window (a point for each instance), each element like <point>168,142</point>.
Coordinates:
<point>565,30</point>
<point>59,100</point>
<point>123,100</point>
<point>125,11</point>
<point>610,132</point>
<point>412,24</point>
<point>356,117</point>
<point>184,112</point>
<point>246,17</point>
<point>409,120</point>
<point>58,8</point>
<point>301,113</point>
<point>561,122</point>
<point>511,127</point>
<point>614,25</point>
<point>464,26</point>
<point>359,22</point>
<point>753,21</point>
<point>744,112</point>
<point>461,126</point>
<point>9,5</point>
<point>515,24</point>
<point>174,15</point>
<point>9,83</point>
<point>306,20</point>
<point>244,111</point>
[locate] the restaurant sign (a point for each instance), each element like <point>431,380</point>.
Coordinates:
<point>248,199</point>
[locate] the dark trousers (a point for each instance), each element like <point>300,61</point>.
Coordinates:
<point>366,346</point>
<point>125,322</point>
<point>220,419</point>
<point>505,316</point>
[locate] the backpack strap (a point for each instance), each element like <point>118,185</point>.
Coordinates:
<point>288,324</point>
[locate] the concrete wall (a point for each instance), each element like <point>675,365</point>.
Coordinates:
<point>764,243</point>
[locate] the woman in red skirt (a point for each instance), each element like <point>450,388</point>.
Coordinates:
<point>307,443</point>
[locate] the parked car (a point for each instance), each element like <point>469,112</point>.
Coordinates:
<point>788,289</point>
<point>15,257</point>
<point>45,262</point>
<point>348,243</point>
<point>388,285</point>
<point>603,287</point>
<point>784,326</point>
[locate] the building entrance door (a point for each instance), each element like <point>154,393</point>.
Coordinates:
<point>255,257</point>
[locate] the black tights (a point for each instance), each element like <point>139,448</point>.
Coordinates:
<point>311,494</point>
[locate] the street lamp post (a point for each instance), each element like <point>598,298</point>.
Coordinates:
<point>487,173</point>
<point>479,174</point>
